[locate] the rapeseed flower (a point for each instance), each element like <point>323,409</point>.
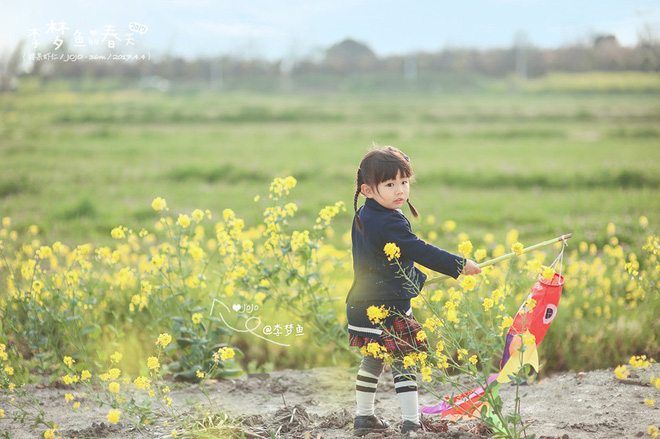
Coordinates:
<point>449,226</point>
<point>50,433</point>
<point>547,273</point>
<point>517,248</point>
<point>153,363</point>
<point>197,215</point>
<point>142,382</point>
<point>113,387</point>
<point>223,354</point>
<point>183,220</point>
<point>392,251</point>
<point>621,372</point>
<point>377,315</point>
<point>196,318</point>
<point>468,283</point>
<point>159,204</point>
<point>113,416</point>
<point>653,431</point>
<point>426,373</point>
<point>480,254</point>
<point>465,248</point>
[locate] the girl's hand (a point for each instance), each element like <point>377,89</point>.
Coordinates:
<point>471,268</point>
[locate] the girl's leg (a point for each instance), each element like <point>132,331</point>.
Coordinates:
<point>405,384</point>
<point>365,384</point>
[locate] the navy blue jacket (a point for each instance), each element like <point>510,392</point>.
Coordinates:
<point>378,281</point>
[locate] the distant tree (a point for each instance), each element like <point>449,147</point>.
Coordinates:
<point>349,56</point>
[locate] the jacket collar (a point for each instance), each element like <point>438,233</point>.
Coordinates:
<point>375,205</point>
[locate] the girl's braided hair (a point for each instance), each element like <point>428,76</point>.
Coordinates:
<point>379,165</point>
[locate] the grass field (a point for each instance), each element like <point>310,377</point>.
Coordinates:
<point>79,164</point>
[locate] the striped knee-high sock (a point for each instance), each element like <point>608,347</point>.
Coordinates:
<point>405,385</point>
<point>365,392</point>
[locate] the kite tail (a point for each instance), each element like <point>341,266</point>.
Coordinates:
<point>462,406</point>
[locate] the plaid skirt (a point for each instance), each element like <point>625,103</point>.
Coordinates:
<point>399,337</point>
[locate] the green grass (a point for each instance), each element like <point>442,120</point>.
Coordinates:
<point>78,164</point>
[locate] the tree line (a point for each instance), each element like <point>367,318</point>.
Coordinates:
<point>350,59</point>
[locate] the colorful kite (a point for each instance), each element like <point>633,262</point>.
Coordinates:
<point>529,328</point>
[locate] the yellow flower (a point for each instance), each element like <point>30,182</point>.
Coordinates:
<point>2,413</point>
<point>49,434</point>
<point>116,357</point>
<point>68,397</point>
<point>68,361</point>
<point>376,315</point>
<point>465,248</point>
<point>468,283</point>
<point>621,372</point>
<point>152,363</point>
<point>142,382</point>
<point>192,282</point>
<point>473,359</point>
<point>548,273</point>
<point>199,374</point>
<point>653,431</point>
<point>426,373</point>
<point>196,318</point>
<point>113,416</point>
<point>480,254</point>
<point>197,253</point>
<point>197,215</point>
<point>85,375</point>
<point>392,251</point>
<point>643,222</point>
<point>183,220</point>
<point>506,322</point>
<point>113,373</point>
<point>6,222</point>
<point>9,370</point>
<point>649,402</point>
<point>223,354</point>
<point>517,248</point>
<point>408,361</point>
<point>158,260</point>
<point>488,303</point>
<point>113,387</point>
<point>164,339</point>
<point>118,233</point>
<point>421,336</point>
<point>449,226</point>
<point>159,204</point>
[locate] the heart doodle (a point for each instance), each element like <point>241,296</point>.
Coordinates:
<point>236,307</point>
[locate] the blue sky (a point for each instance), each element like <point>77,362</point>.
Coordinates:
<point>296,28</point>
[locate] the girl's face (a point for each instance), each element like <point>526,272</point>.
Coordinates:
<point>391,194</point>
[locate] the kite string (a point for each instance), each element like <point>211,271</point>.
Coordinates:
<point>560,257</point>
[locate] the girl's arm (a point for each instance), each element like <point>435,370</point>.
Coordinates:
<point>427,254</point>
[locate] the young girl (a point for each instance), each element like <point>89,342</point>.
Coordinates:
<point>384,179</point>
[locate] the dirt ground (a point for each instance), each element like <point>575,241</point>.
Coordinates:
<point>320,403</point>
